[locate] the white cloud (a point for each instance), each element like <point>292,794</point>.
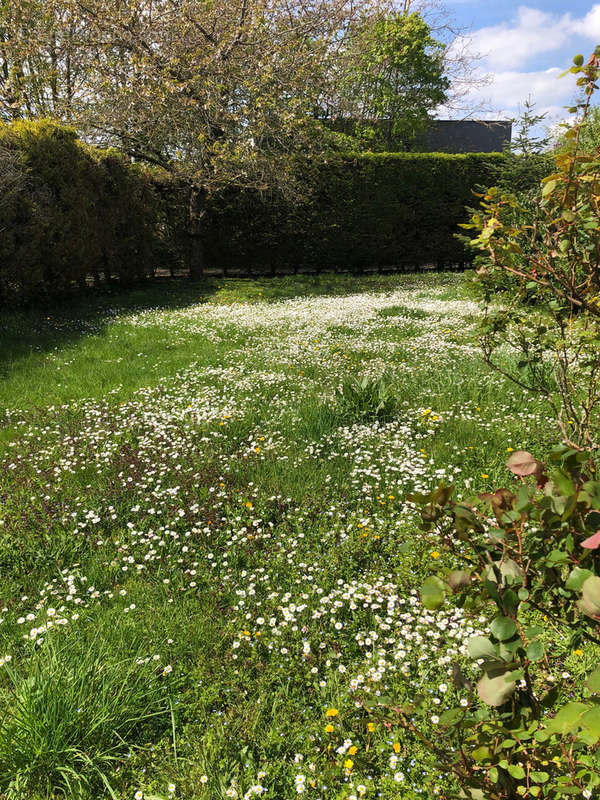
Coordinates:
<point>509,88</point>
<point>532,38</point>
<point>534,32</point>
<point>589,26</point>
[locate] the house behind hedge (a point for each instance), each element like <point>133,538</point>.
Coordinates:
<point>467,136</point>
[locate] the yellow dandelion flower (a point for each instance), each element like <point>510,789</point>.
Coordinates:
<point>435,554</point>
<point>329,728</point>
<point>396,747</point>
<point>331,712</point>
<point>348,763</point>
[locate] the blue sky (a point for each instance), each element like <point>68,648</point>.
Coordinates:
<point>524,47</point>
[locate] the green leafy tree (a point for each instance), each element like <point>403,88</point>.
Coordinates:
<point>219,94</point>
<point>393,80</point>
<point>44,60</point>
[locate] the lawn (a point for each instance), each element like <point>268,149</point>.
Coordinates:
<point>209,566</point>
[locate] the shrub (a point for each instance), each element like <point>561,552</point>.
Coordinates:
<point>527,555</point>
<point>72,212</point>
<point>547,251</point>
<point>528,551</point>
<point>360,211</point>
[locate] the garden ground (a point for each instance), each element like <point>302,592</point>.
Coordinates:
<point>210,569</point>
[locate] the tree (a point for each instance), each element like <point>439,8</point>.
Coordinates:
<point>43,59</point>
<point>394,79</point>
<point>217,92</point>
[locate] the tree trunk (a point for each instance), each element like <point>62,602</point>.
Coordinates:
<point>195,217</point>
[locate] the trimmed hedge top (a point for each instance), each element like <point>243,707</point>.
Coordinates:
<point>70,212</point>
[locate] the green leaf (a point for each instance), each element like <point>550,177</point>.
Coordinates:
<point>516,771</point>
<point>590,596</point>
<point>567,718</point>
<point>450,716</point>
<point>540,777</point>
<point>549,187</point>
<point>481,647</point>
<point>503,628</point>
<point>535,651</point>
<point>495,691</point>
<point>590,722</point>
<point>577,578</point>
<point>433,593</point>
<point>481,753</point>
<point>593,681</point>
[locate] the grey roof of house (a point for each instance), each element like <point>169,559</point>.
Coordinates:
<point>467,136</point>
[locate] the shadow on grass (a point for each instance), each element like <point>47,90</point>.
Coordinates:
<point>53,323</point>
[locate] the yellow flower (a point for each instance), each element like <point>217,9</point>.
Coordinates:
<point>331,712</point>
<point>246,633</point>
<point>348,763</point>
<point>396,747</point>
<point>578,652</point>
<point>484,475</point>
<point>370,726</point>
<point>509,449</point>
<point>329,728</point>
<point>248,505</point>
<point>353,750</point>
<point>435,554</point>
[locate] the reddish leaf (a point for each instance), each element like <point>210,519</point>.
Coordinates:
<point>522,463</point>
<point>593,542</point>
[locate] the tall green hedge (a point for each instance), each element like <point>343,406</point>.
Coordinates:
<point>71,213</point>
<point>358,212</point>
<point>76,214</point>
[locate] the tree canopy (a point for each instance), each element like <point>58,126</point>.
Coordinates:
<point>394,79</point>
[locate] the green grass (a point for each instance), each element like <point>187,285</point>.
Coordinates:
<point>188,482</point>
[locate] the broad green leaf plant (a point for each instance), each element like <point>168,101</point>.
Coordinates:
<point>528,558</point>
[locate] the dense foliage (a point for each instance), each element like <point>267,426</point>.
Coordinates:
<point>394,79</point>
<point>547,252</point>
<point>71,213</point>
<point>530,554</point>
<point>360,211</point>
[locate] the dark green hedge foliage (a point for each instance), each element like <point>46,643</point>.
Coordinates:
<point>71,213</point>
<point>76,215</point>
<point>359,212</point>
